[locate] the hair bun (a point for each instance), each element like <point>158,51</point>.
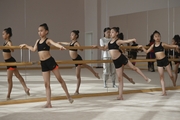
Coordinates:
<point>8,31</point>
<point>121,36</point>
<point>176,36</point>
<point>9,28</point>
<point>117,28</point>
<point>77,31</point>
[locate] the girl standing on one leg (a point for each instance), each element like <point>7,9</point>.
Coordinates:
<point>7,34</point>
<point>175,41</point>
<point>109,68</point>
<point>47,62</point>
<point>151,55</point>
<point>162,60</point>
<point>119,59</point>
<point>75,56</point>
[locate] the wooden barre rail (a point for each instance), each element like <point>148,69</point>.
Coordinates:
<point>16,63</point>
<point>107,61</point>
<point>150,60</point>
<point>77,62</point>
<point>68,47</point>
<point>83,61</point>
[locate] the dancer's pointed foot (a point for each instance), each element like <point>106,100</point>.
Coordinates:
<point>131,80</point>
<point>27,91</point>
<point>47,106</point>
<point>148,80</point>
<point>174,83</point>
<point>76,93</point>
<point>8,98</point>
<point>164,94</point>
<point>120,98</point>
<point>71,100</point>
<point>97,75</point>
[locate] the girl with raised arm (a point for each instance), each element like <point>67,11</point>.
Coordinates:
<point>75,56</point>
<point>47,62</point>
<point>7,34</point>
<point>119,59</point>
<point>162,60</point>
<point>109,68</point>
<point>176,41</point>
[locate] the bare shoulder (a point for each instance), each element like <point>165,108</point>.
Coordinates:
<point>119,42</point>
<point>77,43</point>
<point>9,43</point>
<point>49,40</point>
<point>163,44</point>
<point>37,40</point>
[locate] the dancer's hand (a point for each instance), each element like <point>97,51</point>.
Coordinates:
<point>94,46</point>
<point>62,48</point>
<point>140,46</point>
<point>22,45</point>
<point>134,40</point>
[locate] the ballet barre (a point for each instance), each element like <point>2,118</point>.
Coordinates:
<point>76,47</point>
<point>16,63</point>
<point>77,62</point>
<point>107,61</point>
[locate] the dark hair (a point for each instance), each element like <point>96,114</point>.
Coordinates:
<point>8,31</point>
<point>116,29</point>
<point>121,36</point>
<point>177,39</point>
<point>106,29</point>
<point>76,32</point>
<point>151,38</point>
<point>45,26</point>
<point>156,32</point>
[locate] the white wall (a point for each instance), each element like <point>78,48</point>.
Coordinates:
<point>24,16</point>
<point>91,22</point>
<point>121,7</point>
<point>111,8</point>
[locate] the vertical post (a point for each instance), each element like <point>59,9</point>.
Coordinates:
<point>21,52</point>
<point>173,53</point>
<point>29,53</point>
<point>168,22</point>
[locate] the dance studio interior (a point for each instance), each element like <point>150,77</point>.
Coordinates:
<point>84,85</point>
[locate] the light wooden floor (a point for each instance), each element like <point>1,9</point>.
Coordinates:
<point>145,105</point>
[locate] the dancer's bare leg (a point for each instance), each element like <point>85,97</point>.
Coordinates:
<point>10,83</point>
<point>119,72</point>
<point>78,75</point>
<point>168,68</point>
<point>176,71</point>
<point>17,74</point>
<point>161,74</point>
<point>128,78</point>
<point>92,70</point>
<point>46,77</point>
<point>63,84</point>
<point>138,71</point>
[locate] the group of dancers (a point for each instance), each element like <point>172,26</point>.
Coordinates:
<point>111,50</point>
<point>113,44</point>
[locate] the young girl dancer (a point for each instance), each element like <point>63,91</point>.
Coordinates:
<point>119,59</point>
<point>7,34</point>
<point>109,68</point>
<point>162,60</point>
<point>75,56</point>
<point>151,55</point>
<point>47,62</point>
<point>176,41</point>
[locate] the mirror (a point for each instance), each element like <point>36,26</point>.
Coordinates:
<point>134,22</point>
